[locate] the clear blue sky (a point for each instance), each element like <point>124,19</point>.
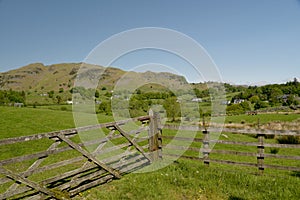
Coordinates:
<point>249,40</point>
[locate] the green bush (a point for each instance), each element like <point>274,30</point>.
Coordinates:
<point>288,139</point>
<point>274,150</point>
<point>64,108</point>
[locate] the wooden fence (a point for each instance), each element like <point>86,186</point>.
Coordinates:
<point>260,155</point>
<point>68,166</point>
<point>71,165</point>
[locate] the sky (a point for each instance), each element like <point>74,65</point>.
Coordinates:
<point>250,42</point>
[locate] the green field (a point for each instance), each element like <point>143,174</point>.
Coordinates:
<point>192,180</point>
<point>263,118</point>
<point>181,180</point>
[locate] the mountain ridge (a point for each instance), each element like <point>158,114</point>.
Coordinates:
<point>37,76</point>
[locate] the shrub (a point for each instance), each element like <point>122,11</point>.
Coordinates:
<point>288,139</point>
<point>269,136</point>
<point>274,150</point>
<point>64,108</point>
<point>235,109</point>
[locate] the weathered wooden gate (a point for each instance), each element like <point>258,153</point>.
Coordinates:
<point>69,166</point>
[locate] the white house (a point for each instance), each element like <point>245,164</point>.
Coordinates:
<point>196,100</point>
<point>238,101</point>
<point>18,105</point>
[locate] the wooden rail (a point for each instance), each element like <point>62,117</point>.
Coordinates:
<point>260,155</point>
<point>67,167</point>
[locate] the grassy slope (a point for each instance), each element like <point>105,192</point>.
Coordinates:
<point>16,122</point>
<point>191,180</point>
<point>183,180</point>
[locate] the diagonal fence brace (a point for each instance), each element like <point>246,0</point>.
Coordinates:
<point>29,183</point>
<point>89,156</point>
<point>124,134</point>
<point>35,165</point>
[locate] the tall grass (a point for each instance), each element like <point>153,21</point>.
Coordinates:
<point>192,180</point>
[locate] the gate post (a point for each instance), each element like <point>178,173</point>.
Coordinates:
<point>260,153</point>
<point>205,150</point>
<point>155,140</point>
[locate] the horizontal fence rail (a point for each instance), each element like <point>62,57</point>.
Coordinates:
<point>67,166</point>
<point>205,151</point>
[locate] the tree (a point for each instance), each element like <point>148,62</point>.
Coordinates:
<point>138,91</point>
<point>50,94</point>
<point>260,104</point>
<point>290,100</point>
<point>275,95</point>
<point>97,94</point>
<point>172,108</point>
<point>59,99</point>
<point>235,109</point>
<point>105,107</point>
<point>254,99</point>
<point>245,106</point>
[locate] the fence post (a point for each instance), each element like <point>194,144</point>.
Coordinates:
<point>205,150</point>
<point>260,153</point>
<point>206,147</point>
<point>154,145</point>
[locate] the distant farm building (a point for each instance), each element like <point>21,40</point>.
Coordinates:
<point>238,101</point>
<point>19,105</point>
<point>225,102</point>
<point>196,100</point>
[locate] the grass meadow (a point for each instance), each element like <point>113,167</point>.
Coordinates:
<point>184,179</point>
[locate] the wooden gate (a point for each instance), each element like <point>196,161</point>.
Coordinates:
<point>59,165</point>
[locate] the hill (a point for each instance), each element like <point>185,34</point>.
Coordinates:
<point>38,77</point>
<point>37,84</point>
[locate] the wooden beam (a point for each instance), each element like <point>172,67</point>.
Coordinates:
<point>70,132</point>
<point>181,138</point>
<point>122,132</point>
<point>29,183</point>
<point>153,135</point>
<point>250,131</point>
<point>34,166</point>
<point>89,156</point>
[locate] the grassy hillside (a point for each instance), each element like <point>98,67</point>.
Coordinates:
<point>192,180</point>
<point>181,180</point>
<point>16,122</point>
<point>41,78</point>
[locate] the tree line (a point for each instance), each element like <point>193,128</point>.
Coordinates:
<point>254,97</point>
<point>9,96</point>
